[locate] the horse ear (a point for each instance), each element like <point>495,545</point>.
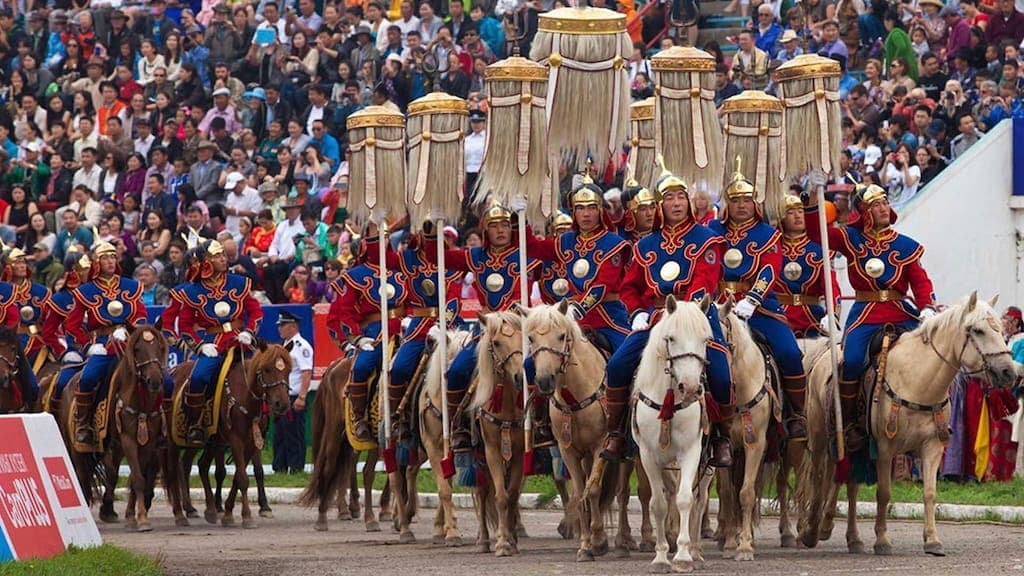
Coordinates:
<point>727,307</point>
<point>519,309</point>
<point>992,301</point>
<point>482,319</point>
<point>261,344</point>
<point>705,304</point>
<point>563,307</point>
<point>670,304</point>
<point>972,301</point>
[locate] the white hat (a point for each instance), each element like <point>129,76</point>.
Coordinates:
<point>233,179</point>
<point>32,147</point>
<point>393,58</point>
<point>222,92</point>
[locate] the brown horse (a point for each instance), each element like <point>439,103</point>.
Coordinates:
<point>250,383</point>
<point>139,383</point>
<point>500,415</point>
<point>334,459</point>
<point>13,365</point>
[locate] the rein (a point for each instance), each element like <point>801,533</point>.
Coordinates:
<point>262,385</point>
<point>968,339</point>
<point>565,354</point>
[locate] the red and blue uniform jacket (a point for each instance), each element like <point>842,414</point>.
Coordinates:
<point>801,288</point>
<point>93,318</point>
<point>194,303</point>
<point>355,311</point>
<point>755,266</point>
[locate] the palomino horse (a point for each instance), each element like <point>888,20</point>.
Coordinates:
<point>139,387</point>
<point>570,373</point>
<point>249,383</point>
<point>334,459</point>
<point>13,365</point>
<point>498,402</point>
<point>446,529</point>
<point>670,438</point>
<point>909,413</point>
<point>752,379</point>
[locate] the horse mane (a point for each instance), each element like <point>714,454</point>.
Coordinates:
<point>456,341</point>
<point>265,358</point>
<point>486,378</point>
<point>688,321</point>
<point>545,318</point>
<point>953,317</point>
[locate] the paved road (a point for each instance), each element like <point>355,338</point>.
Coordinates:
<point>287,545</point>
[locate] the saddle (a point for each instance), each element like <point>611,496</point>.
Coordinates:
<point>600,341</point>
<point>211,408</point>
<point>100,417</point>
<point>374,415</point>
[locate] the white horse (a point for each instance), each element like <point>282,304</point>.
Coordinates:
<point>910,414</point>
<point>670,370</point>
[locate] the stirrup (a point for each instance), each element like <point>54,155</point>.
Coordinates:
<point>85,434</point>
<point>361,430</point>
<point>721,452</point>
<point>614,447</point>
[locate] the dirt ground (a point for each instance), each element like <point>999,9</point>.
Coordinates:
<point>287,545</point>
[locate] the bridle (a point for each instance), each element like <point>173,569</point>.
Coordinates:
<point>261,384</point>
<point>985,368</point>
<point>671,359</point>
<point>565,354</point>
<point>499,366</point>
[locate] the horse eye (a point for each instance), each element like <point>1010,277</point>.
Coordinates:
<point>561,338</point>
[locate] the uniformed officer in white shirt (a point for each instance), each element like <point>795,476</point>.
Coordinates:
<point>290,431</point>
<point>475,143</point>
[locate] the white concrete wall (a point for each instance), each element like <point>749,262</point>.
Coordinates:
<point>968,225</point>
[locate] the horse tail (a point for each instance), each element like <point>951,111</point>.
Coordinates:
<point>328,433</point>
<point>609,486</point>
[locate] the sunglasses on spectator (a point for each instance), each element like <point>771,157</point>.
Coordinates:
<point>298,271</point>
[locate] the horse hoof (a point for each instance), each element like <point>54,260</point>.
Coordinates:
<point>211,516</point>
<point>182,522</point>
<point>646,546</point>
<point>698,564</point>
<point>503,550</point>
<point>707,534</point>
<point>789,541</point>
<point>453,541</point>
<point>621,552</point>
<point>599,548</point>
<point>109,518</point>
<point>663,567</point>
<point>131,525</point>
<point>268,513</point>
<point>406,538</point>
<point>320,526</point>
<point>883,549</point>
<point>227,521</point>
<point>744,556</point>
<point>346,515</point>
<point>584,556</point>
<point>934,549</point>
<point>385,517</point>
<point>373,526</point>
<point>682,566</point>
<point>565,530</point>
<point>809,540</point>
<point>438,540</point>
<point>855,547</point>
<point>249,524</point>
<point>193,513</point>
<point>145,527</point>
<point>824,535</point>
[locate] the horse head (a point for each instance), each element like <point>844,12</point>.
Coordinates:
<point>678,344</point>
<point>552,332</point>
<point>272,366</point>
<point>500,357</point>
<point>146,353</point>
<point>977,341</point>
<point>12,361</point>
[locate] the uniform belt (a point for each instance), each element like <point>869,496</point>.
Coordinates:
<point>428,312</point>
<point>880,296</point>
<point>30,329</point>
<point>371,318</point>
<point>798,299</point>
<point>224,327</point>
<point>610,298</point>
<point>737,287</point>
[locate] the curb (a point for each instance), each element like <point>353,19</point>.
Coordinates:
<point>897,510</point>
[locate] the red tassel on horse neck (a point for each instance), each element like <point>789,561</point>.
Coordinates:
<point>497,399</point>
<point>668,406</point>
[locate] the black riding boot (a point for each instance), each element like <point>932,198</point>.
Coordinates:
<point>618,405</point>
<point>796,392</point>
<point>357,397</point>
<point>84,432</point>
<point>194,417</point>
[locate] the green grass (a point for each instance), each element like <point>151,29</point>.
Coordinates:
<point>105,560</point>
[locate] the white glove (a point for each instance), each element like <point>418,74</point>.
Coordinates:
<point>244,338</point>
<point>71,357</point>
<point>97,350</point>
<point>928,313</point>
<point>406,322</point>
<point>365,344</point>
<point>745,308</point>
<point>120,334</point>
<point>640,321</point>
<point>434,333</point>
<point>209,350</point>
<point>827,325</point>
<point>517,204</point>
<point>576,311</point>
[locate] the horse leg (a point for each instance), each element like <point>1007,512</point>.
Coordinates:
<point>829,513</point>
<point>447,507</point>
<point>136,516</point>
<point>210,514</point>
<point>598,537</point>
<point>931,455</point>
<point>184,467</point>
<point>581,504</point>
<point>261,488</point>
<point>369,469</point>
<point>484,506</point>
<point>786,536</point>
<point>624,541</point>
<point>401,517</point>
<point>169,462</point>
<point>727,513</point>
<point>644,493</point>
<point>412,473</point>
<point>659,510</point>
<point>706,532</point>
<point>748,500</point>
<point>689,515</point>
<point>882,494</point>
<point>853,542</point>
<point>506,516</point>
<point>701,504</point>
<point>353,490</point>
<point>111,462</point>
<point>220,472</point>
<point>570,515</point>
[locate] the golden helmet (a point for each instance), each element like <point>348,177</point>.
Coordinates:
<point>739,186</point>
<point>667,180</point>
<point>214,248</point>
<point>588,194</point>
<point>640,195</point>
<point>103,249</point>
<point>792,202</point>
<point>496,213</point>
<point>561,222</point>
<point>13,254</point>
<point>868,195</point>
